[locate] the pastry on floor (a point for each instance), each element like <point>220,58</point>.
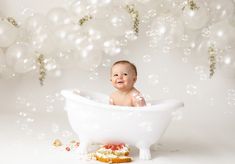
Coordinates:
<point>113,153</point>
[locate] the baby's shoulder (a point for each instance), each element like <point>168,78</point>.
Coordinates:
<point>134,92</point>
<point>137,98</point>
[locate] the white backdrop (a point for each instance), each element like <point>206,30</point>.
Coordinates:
<point>207,119</point>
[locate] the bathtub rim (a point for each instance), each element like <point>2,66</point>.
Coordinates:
<point>162,104</point>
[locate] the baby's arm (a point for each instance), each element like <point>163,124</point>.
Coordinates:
<point>138,100</point>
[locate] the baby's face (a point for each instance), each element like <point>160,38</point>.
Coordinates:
<point>123,77</point>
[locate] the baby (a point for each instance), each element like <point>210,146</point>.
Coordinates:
<point>123,78</point>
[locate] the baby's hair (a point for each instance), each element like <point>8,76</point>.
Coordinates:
<point>126,62</point>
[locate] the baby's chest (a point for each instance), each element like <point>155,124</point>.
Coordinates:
<point>123,100</point>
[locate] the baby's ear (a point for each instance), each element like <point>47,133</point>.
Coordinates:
<point>135,78</point>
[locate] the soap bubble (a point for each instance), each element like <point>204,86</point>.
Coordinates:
<point>166,90</point>
<point>147,58</point>
<point>231,97</point>
<point>93,75</point>
<point>131,35</point>
<point>153,79</point>
<point>106,63</point>
<point>30,120</point>
<point>191,89</point>
<point>202,71</point>
<point>55,128</point>
<point>66,133</point>
<point>49,108</point>
<point>41,136</point>
<point>212,101</point>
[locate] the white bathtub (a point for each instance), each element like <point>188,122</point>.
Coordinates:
<point>95,121</point>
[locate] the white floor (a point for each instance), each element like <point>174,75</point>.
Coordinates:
<point>24,143</point>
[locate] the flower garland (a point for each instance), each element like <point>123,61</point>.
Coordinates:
<point>212,59</point>
<point>42,68</point>
<point>10,20</point>
<point>191,4</point>
<point>84,19</point>
<point>135,17</point>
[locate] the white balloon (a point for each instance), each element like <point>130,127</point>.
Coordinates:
<point>112,47</point>
<point>96,29</point>
<point>90,59</point>
<point>59,16</point>
<point>89,55</point>
<point>65,35</point>
<point>174,6</point>
<point>222,34</point>
<point>115,22</point>
<point>221,9</point>
<point>227,63</point>
<point>42,41</point>
<point>81,8</point>
<point>195,18</point>
<point>20,57</point>
<point>8,33</point>
<point>120,21</point>
<point>98,3</point>
<point>165,30</point>
<point>35,22</point>
<point>65,59</point>
<point>76,39</point>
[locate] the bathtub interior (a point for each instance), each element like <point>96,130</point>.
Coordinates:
<point>101,100</point>
<point>91,95</point>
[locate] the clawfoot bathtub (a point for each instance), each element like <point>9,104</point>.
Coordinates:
<point>95,121</point>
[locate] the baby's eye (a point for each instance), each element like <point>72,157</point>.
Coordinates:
<point>125,74</point>
<point>115,75</point>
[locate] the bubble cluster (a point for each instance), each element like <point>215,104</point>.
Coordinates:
<point>153,79</point>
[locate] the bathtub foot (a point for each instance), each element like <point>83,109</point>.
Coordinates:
<point>144,154</point>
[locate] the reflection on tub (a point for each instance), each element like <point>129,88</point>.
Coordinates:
<point>95,121</point>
